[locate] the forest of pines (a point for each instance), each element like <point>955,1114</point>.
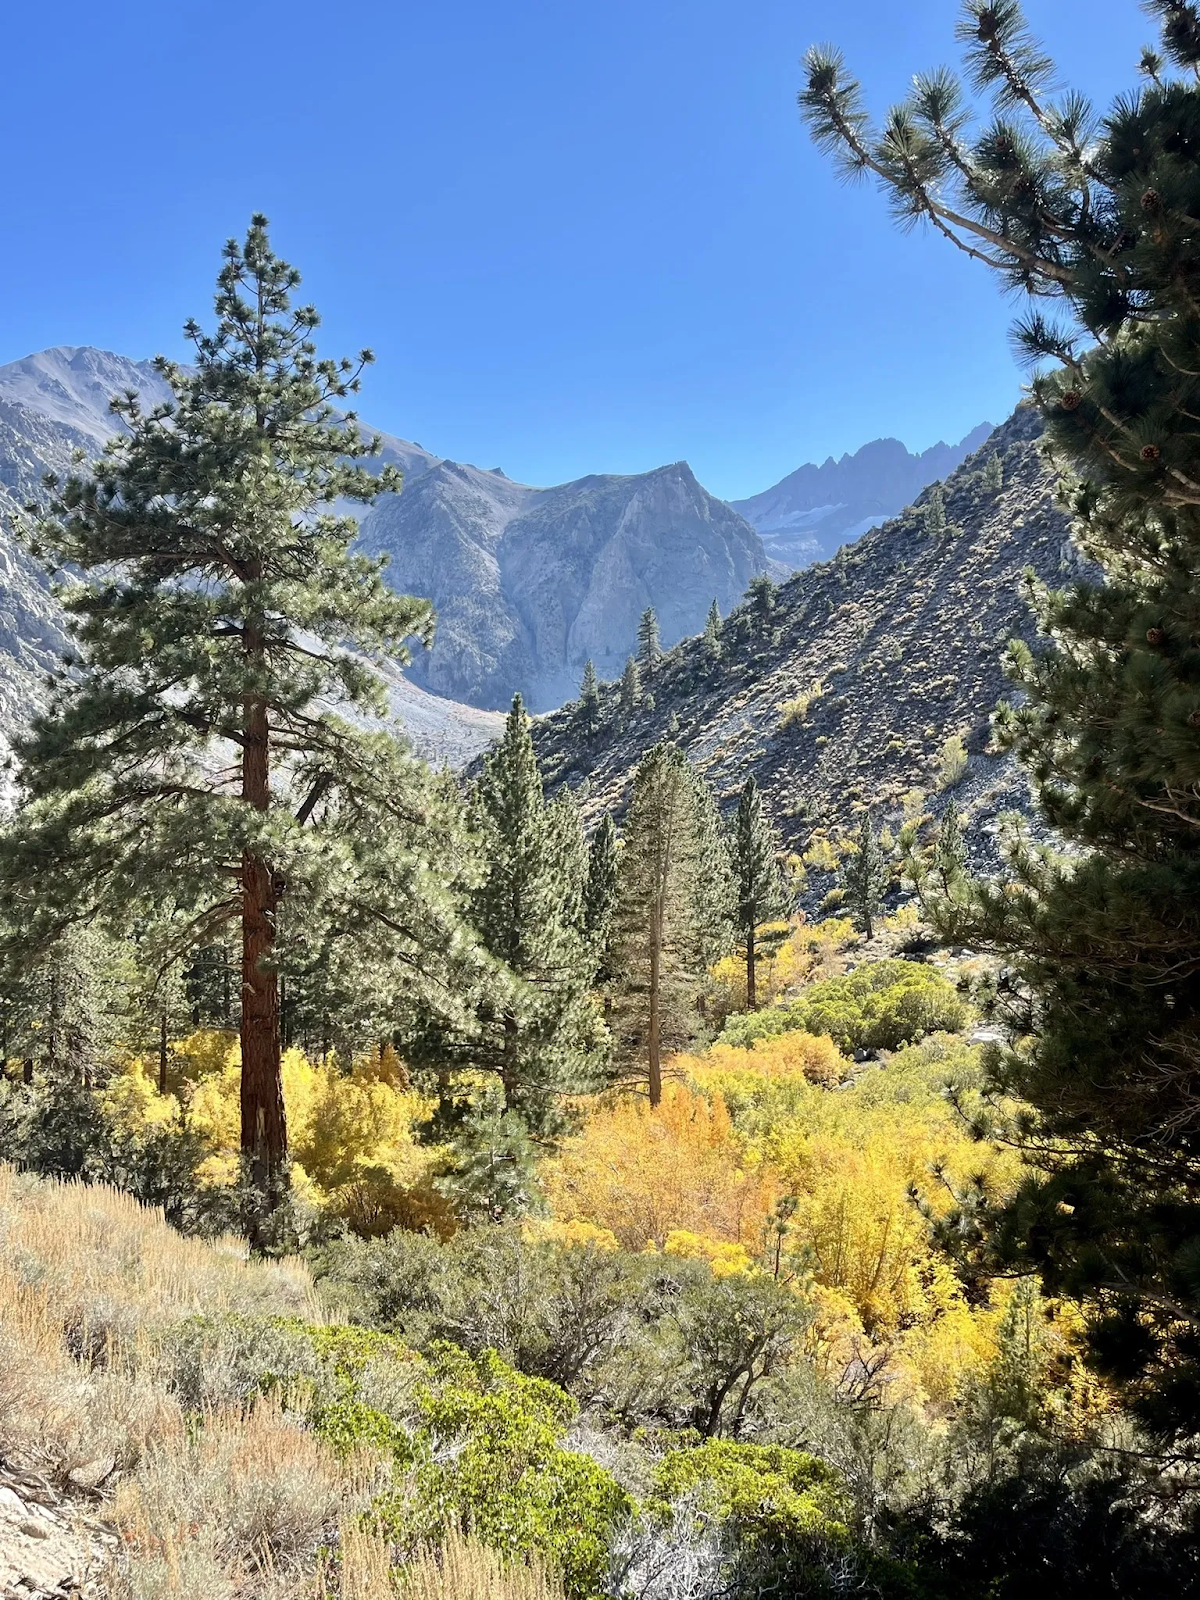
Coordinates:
<point>427,1183</point>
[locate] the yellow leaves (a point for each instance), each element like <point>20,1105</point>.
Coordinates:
<point>642,1173</point>
<point>726,1259</point>
<point>350,1130</point>
<point>813,1057</point>
<point>576,1233</point>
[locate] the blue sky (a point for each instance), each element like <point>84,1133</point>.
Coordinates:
<point>581,235</point>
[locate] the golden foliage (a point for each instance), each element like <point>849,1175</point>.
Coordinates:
<point>350,1128</point>
<point>642,1173</point>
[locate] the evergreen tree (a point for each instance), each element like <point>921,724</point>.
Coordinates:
<point>993,473</point>
<point>600,892</point>
<point>712,632</point>
<point>589,699</point>
<point>864,877</point>
<point>674,901</point>
<point>631,686</point>
<point>649,643</point>
<point>220,615</point>
<point>754,850</point>
<point>761,595</point>
<point>537,1032</point>
<point>950,851</point>
<point>1101,942</point>
<point>935,511</point>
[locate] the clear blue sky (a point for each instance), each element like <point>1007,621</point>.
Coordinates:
<point>581,235</point>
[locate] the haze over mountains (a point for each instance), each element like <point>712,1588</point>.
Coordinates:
<point>809,514</point>
<point>529,583</point>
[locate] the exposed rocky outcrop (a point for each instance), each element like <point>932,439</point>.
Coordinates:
<point>902,636</point>
<point>52,1547</point>
<point>530,583</point>
<point>814,510</point>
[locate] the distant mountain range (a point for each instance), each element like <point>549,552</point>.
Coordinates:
<point>528,583</point>
<point>55,403</point>
<point>531,583</point>
<point>812,512</point>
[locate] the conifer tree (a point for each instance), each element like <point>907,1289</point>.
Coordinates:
<point>935,511</point>
<point>754,851</point>
<point>864,877</point>
<point>536,1032</point>
<point>631,686</point>
<point>712,632</point>
<point>674,902</point>
<point>1101,942</point>
<point>600,891</point>
<point>649,643</point>
<point>993,473</point>
<point>220,616</point>
<point>761,594</point>
<point>589,699</point>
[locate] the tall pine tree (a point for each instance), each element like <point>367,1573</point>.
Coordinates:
<point>673,910</point>
<point>537,1032</point>
<point>649,643</point>
<point>1102,942</point>
<point>220,617</point>
<point>754,851</point>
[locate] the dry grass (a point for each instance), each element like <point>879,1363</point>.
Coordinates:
<point>239,1507</point>
<point>460,1569</point>
<point>210,1501</point>
<point>85,1275</point>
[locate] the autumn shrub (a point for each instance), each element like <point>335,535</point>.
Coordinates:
<point>882,1005</point>
<point>787,958</point>
<point>356,1158</point>
<point>642,1171</point>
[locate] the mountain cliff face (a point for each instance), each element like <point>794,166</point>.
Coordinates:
<point>869,663</point>
<point>530,583</point>
<point>810,513</point>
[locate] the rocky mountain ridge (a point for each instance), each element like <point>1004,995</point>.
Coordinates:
<point>848,692</point>
<point>530,583</point>
<point>56,403</point>
<point>808,515</point>
<point>527,582</point>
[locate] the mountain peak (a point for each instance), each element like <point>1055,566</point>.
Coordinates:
<point>808,515</point>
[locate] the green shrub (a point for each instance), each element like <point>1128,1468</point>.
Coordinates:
<point>490,1459</point>
<point>884,1005</point>
<point>785,1514</point>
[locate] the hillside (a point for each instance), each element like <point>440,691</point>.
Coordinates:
<point>811,513</point>
<point>901,635</point>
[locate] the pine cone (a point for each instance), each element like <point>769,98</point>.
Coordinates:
<point>1156,636</point>
<point>1151,202</point>
<point>1194,718</point>
<point>1070,400</point>
<point>1150,452</point>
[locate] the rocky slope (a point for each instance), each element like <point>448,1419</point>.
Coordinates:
<point>530,583</point>
<point>869,663</point>
<point>814,510</point>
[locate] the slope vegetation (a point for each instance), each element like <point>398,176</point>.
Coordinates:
<point>868,664</point>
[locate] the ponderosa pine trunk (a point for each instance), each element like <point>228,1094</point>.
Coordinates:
<point>264,1122</point>
<point>751,972</point>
